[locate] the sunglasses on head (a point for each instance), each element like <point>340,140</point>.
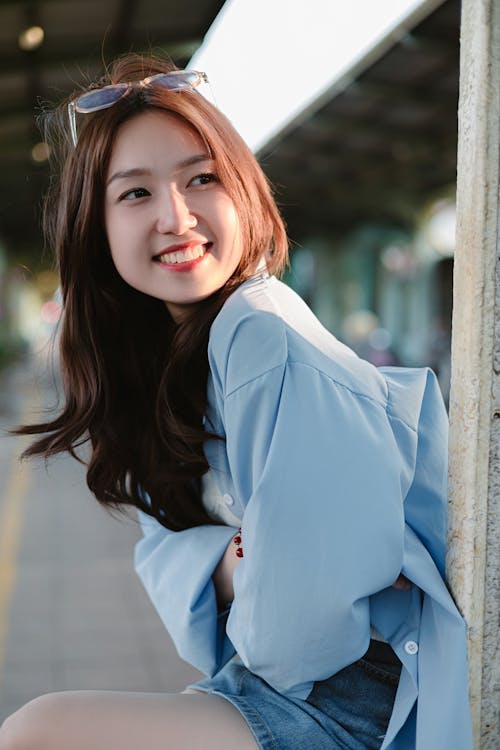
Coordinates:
<point>106,96</point>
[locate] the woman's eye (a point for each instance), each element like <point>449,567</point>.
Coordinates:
<point>204,179</point>
<point>134,194</point>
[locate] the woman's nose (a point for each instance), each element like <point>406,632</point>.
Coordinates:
<point>174,216</point>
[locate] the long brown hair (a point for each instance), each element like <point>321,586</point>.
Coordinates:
<point>134,381</point>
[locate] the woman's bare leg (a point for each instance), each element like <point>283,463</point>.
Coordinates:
<point>101,720</point>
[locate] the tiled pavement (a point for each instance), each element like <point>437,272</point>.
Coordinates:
<point>77,617</point>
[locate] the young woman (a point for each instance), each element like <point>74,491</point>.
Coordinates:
<point>292,496</point>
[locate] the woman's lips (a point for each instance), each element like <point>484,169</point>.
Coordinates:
<point>183,258</point>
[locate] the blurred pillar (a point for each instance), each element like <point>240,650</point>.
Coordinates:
<point>474,545</point>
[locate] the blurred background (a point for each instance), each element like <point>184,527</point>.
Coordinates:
<point>357,132</point>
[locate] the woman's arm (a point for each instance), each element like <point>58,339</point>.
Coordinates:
<point>320,473</point>
<point>176,569</point>
<point>224,572</point>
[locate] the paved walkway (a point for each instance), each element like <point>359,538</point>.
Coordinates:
<point>72,611</point>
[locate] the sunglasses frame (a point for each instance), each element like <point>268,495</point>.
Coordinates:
<point>124,88</point>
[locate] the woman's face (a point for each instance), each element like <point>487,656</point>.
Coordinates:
<point>172,229</point>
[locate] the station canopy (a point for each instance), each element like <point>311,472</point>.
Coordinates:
<point>382,147</point>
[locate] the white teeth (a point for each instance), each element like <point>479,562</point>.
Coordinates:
<point>181,256</point>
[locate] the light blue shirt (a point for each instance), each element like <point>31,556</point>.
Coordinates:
<point>337,471</point>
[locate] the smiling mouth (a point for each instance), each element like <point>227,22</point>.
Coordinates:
<point>183,256</point>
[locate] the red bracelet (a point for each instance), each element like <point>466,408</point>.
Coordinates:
<point>237,542</point>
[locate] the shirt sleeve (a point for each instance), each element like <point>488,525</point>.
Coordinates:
<point>176,569</point>
<point>319,469</point>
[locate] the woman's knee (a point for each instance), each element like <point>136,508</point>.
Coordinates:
<point>31,726</point>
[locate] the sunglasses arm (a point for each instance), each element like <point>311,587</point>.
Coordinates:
<point>72,122</point>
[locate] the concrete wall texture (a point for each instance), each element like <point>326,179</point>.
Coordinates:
<point>474,533</point>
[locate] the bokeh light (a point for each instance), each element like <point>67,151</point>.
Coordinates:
<point>40,152</point>
<point>31,38</point>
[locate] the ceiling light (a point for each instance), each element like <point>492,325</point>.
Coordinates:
<point>31,38</point>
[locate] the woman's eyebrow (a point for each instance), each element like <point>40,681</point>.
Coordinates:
<point>143,172</point>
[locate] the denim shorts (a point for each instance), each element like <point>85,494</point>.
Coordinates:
<point>349,711</point>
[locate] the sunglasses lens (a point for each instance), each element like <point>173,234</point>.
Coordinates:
<point>100,98</point>
<point>176,80</point>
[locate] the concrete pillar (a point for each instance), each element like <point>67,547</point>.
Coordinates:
<point>474,543</point>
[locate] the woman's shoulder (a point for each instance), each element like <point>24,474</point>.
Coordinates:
<point>265,325</point>
<point>254,303</point>
<point>265,328</point>
<point>248,337</point>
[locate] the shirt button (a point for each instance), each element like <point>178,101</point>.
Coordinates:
<point>228,499</point>
<point>411,647</point>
